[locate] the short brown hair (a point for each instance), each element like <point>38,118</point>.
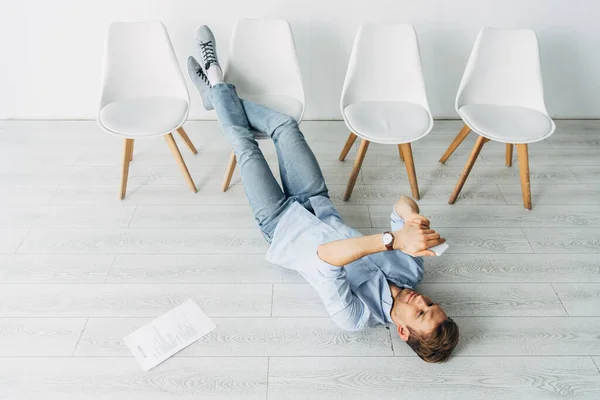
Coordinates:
<point>436,346</point>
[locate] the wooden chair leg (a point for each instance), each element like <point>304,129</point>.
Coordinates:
<point>187,140</point>
<point>348,146</point>
<point>401,154</point>
<point>229,172</point>
<point>523,155</point>
<point>509,154</point>
<point>410,168</point>
<point>131,151</point>
<point>177,154</point>
<point>362,150</point>
<point>127,150</point>
<point>465,174</point>
<point>464,132</point>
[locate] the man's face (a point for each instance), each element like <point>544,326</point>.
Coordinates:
<point>417,311</point>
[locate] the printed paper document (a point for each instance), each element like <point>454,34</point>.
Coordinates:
<point>168,334</point>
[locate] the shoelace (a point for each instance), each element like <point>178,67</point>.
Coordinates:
<point>202,76</point>
<point>208,53</point>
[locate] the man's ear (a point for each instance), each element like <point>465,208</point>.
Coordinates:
<point>403,333</point>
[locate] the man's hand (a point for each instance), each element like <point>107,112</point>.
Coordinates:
<point>415,237</point>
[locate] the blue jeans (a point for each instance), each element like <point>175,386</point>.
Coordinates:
<point>301,176</point>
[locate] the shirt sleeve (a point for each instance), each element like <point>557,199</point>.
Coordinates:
<point>332,284</point>
<point>396,222</point>
<point>398,267</point>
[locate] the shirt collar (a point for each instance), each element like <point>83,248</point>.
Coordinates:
<point>386,303</point>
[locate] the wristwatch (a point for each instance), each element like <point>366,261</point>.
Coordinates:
<point>388,240</point>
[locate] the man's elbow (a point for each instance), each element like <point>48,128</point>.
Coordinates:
<point>343,321</point>
<point>322,253</point>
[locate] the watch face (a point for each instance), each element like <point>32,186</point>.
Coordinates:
<point>387,238</point>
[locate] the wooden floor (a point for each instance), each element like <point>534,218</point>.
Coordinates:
<point>79,269</point>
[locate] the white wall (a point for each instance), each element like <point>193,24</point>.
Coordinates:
<point>51,50</point>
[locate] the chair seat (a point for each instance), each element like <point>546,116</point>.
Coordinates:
<point>507,124</point>
<point>145,116</point>
<point>388,122</point>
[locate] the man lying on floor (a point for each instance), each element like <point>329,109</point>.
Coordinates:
<point>363,281</point>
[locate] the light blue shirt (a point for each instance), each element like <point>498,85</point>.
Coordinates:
<point>356,295</point>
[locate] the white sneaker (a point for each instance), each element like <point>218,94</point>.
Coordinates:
<point>207,46</point>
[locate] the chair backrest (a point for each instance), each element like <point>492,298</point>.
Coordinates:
<point>139,61</point>
<point>263,60</point>
<point>385,65</point>
<point>503,69</point>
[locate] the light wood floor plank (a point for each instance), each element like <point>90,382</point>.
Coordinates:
<point>122,379</point>
<point>247,337</point>
<point>222,216</point>
<point>587,174</point>
<point>50,216</point>
<point>580,299</point>
<point>511,268</point>
<point>198,268</point>
<point>140,240</point>
<point>33,175</point>
<point>54,268</point>
<point>597,362</point>
<point>148,216</point>
<point>540,378</point>
<point>298,300</point>
<point>584,140</point>
<point>566,195</point>
<point>107,174</point>
<point>564,240</point>
<point>24,337</point>
<point>508,216</point>
<point>13,195</point>
<point>24,155</point>
<point>171,195</point>
<point>571,126</point>
<point>11,239</point>
<point>529,336</point>
<point>131,300</point>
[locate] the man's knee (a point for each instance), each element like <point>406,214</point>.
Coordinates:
<point>244,146</point>
<point>285,123</point>
<point>406,205</point>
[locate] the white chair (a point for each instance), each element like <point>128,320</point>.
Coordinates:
<point>501,98</point>
<point>384,98</point>
<point>143,90</point>
<point>264,68</point>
